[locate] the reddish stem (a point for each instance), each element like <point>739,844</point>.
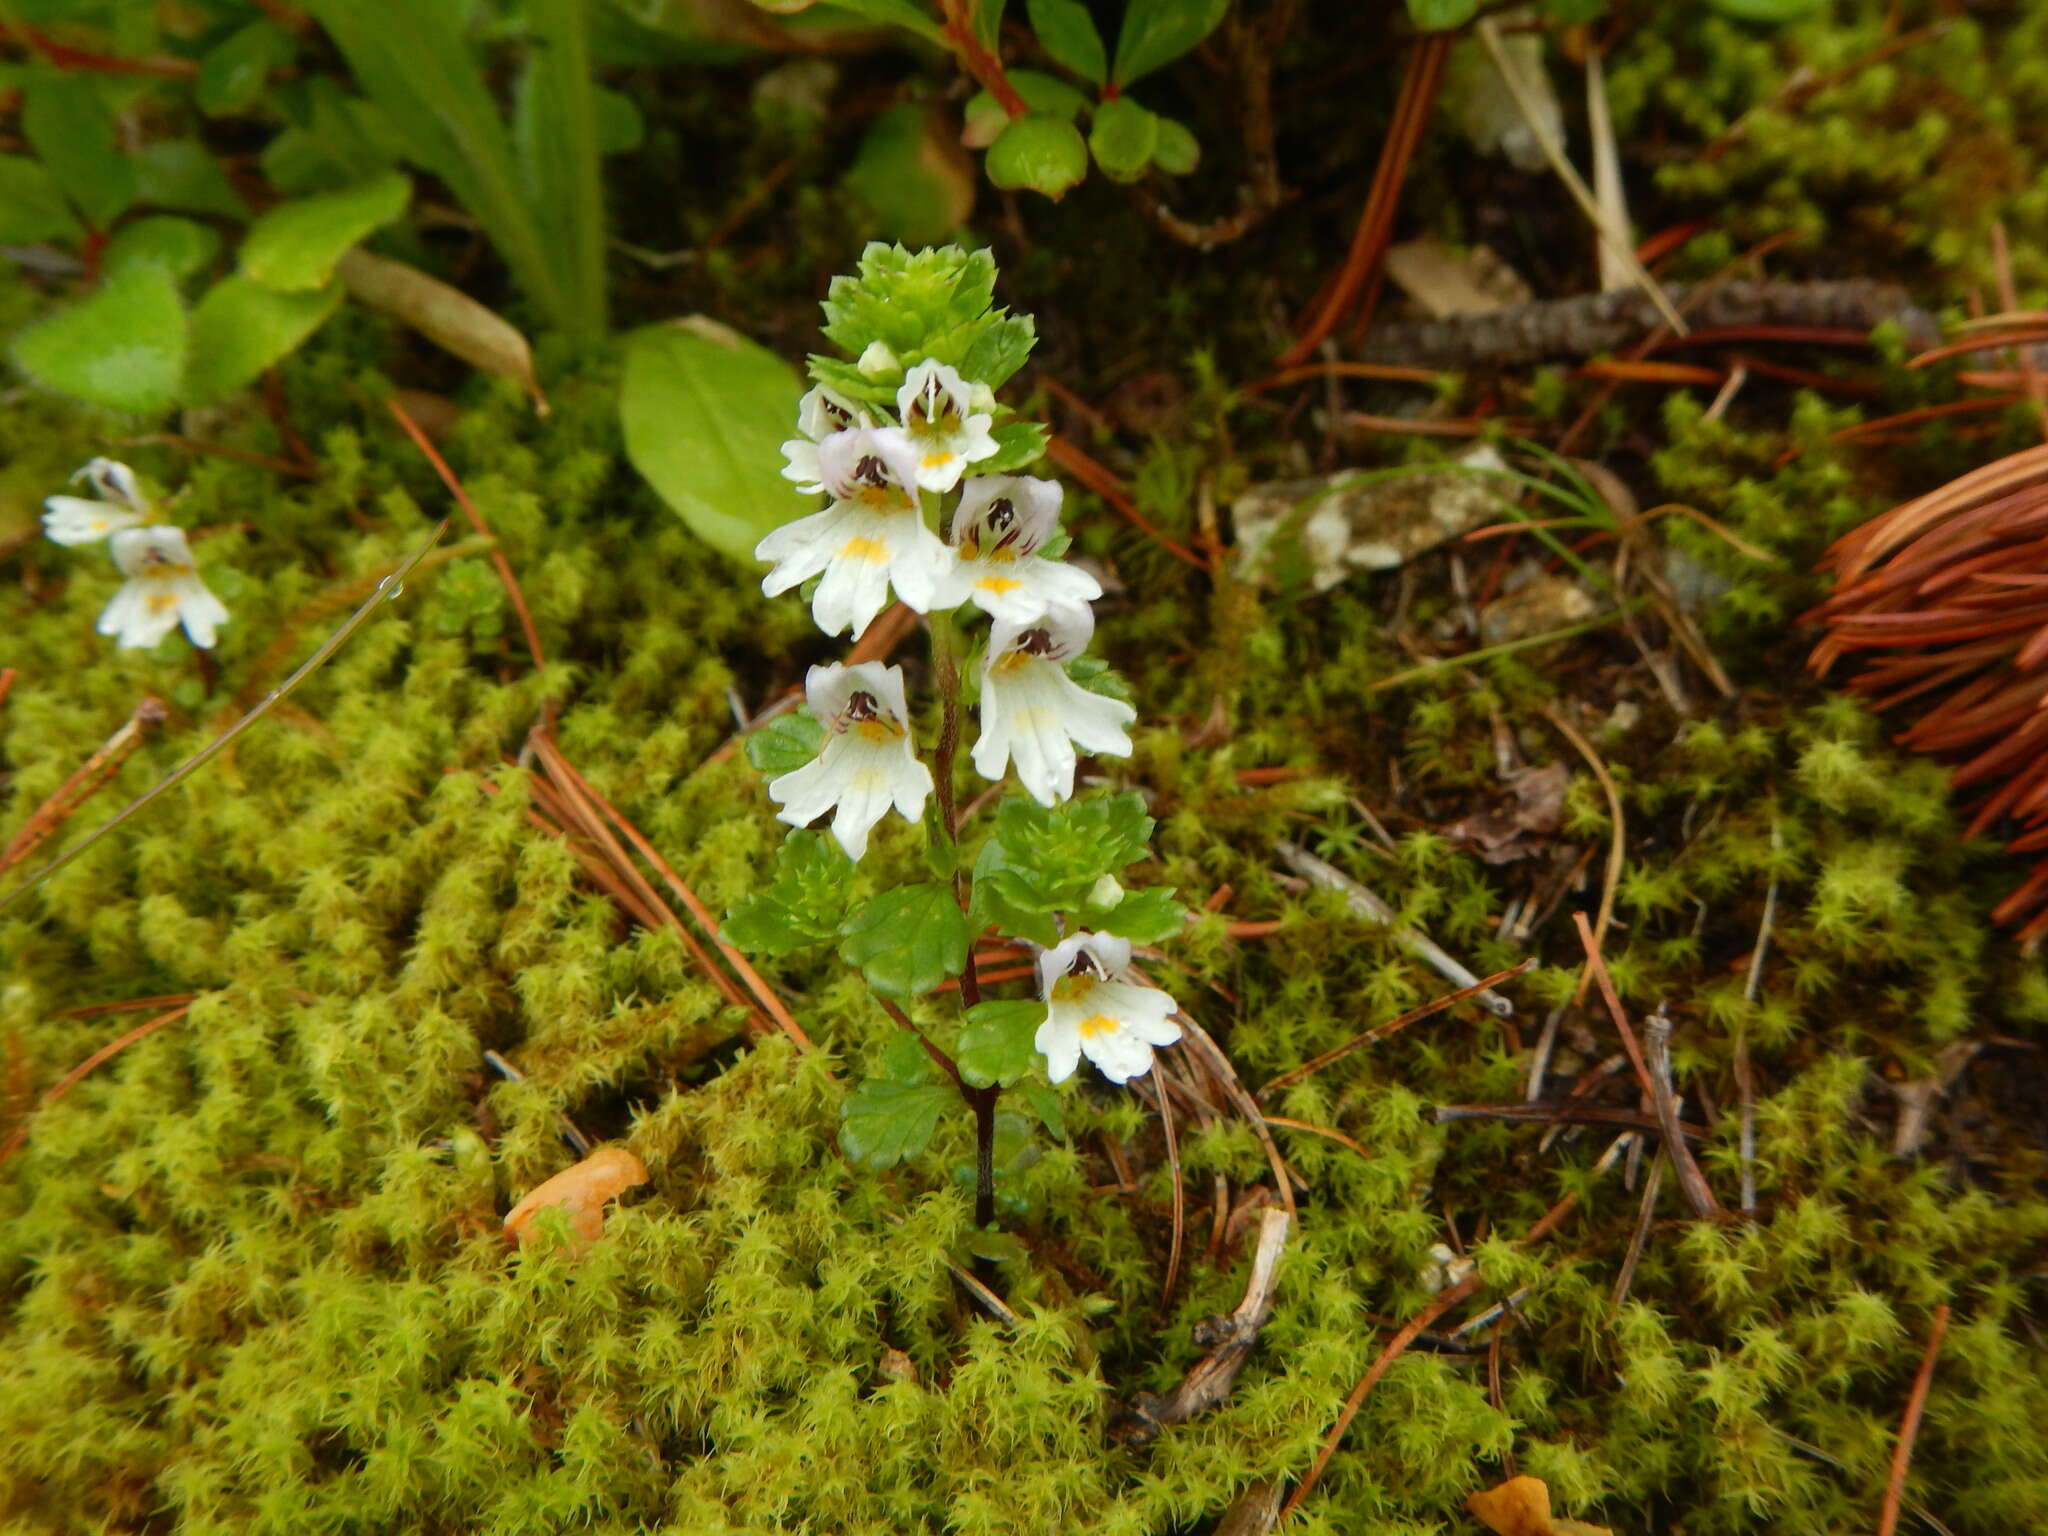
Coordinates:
<point>976,59</point>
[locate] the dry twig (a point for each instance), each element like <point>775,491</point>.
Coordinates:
<point>1909,1426</point>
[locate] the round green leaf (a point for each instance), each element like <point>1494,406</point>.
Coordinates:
<point>1039,154</point>
<point>913,177</point>
<point>241,328</point>
<point>295,245</point>
<point>1123,138</point>
<point>985,119</point>
<point>1177,151</point>
<point>705,413</point>
<point>179,246</point>
<point>123,348</point>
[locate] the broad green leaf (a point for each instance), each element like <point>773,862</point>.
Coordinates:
<point>180,174</point>
<point>232,72</point>
<point>1018,443</point>
<point>1156,32</point>
<point>906,941</point>
<point>912,176</point>
<point>1177,151</point>
<point>32,205</point>
<point>72,133</point>
<point>802,905</point>
<point>1122,138</point>
<point>242,327</point>
<point>295,245</point>
<point>883,1123</point>
<point>180,246</point>
<point>124,347</point>
<point>894,13</point>
<point>996,1042</point>
<point>1150,916</point>
<point>1067,32</point>
<point>705,413</point>
<point>785,743</point>
<point>1441,15</point>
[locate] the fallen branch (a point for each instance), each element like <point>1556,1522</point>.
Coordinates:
<point>1229,1338</point>
<point>1589,324</point>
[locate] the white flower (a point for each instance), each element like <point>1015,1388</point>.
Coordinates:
<point>1035,715</point>
<point>872,535</point>
<point>77,520</point>
<point>867,762</point>
<point>937,408</point>
<point>1088,1012</point>
<point>997,530</point>
<point>818,415</point>
<point>162,590</point>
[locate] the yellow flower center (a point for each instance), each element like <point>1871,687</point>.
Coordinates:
<point>1071,989</point>
<point>1097,1024</point>
<point>870,551</point>
<point>998,584</point>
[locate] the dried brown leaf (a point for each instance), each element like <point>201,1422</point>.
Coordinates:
<point>446,316</point>
<point>1521,1507</point>
<point>582,1191</point>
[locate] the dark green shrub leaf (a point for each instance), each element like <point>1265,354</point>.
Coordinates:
<point>32,205</point>
<point>883,1123</point>
<point>995,1044</point>
<point>1123,138</point>
<point>1067,32</point>
<point>906,941</point>
<point>72,133</point>
<point>180,174</point>
<point>1157,32</point>
<point>1177,151</point>
<point>232,72</point>
<point>705,413</point>
<point>1038,154</point>
<point>241,328</point>
<point>802,905</point>
<point>124,347</point>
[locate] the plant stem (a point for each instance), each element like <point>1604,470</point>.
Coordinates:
<point>984,1102</point>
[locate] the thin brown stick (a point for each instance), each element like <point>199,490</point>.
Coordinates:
<point>1393,1351</point>
<point>1106,485</point>
<point>1381,1031</point>
<point>77,1074</point>
<point>763,993</point>
<point>132,1005</point>
<point>1180,1194</point>
<point>1560,1112</point>
<point>476,521</point>
<point>80,787</point>
<point>1610,879</point>
<point>1319,1130</point>
<point>1639,1237</point>
<point>1909,1427</point>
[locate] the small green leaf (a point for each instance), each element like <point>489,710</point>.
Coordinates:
<point>705,413</point>
<point>621,126</point>
<point>123,348</point>
<point>1177,151</point>
<point>180,246</point>
<point>1045,1103</point>
<point>241,328</point>
<point>994,1245</point>
<point>295,245</point>
<point>802,905</point>
<point>998,350</point>
<point>786,743</point>
<point>1059,852</point>
<point>883,1123</point>
<point>1768,12</point>
<point>1123,138</point>
<point>996,1042</point>
<point>1038,154</point>
<point>72,132</point>
<point>180,174</point>
<point>231,73</point>
<point>1092,672</point>
<point>32,206</point>
<point>1004,897</point>
<point>985,118</point>
<point>1156,32</point>
<point>1150,916</point>
<point>895,13</point>
<point>1067,32</point>
<point>1441,15</point>
<point>906,941</point>
<point>1018,443</point>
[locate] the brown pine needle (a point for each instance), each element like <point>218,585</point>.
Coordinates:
<point>1381,1031</point>
<point>77,1074</point>
<point>83,784</point>
<point>1909,1427</point>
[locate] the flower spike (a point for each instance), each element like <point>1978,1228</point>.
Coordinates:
<point>1034,715</point>
<point>1089,1012</point>
<point>868,761</point>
